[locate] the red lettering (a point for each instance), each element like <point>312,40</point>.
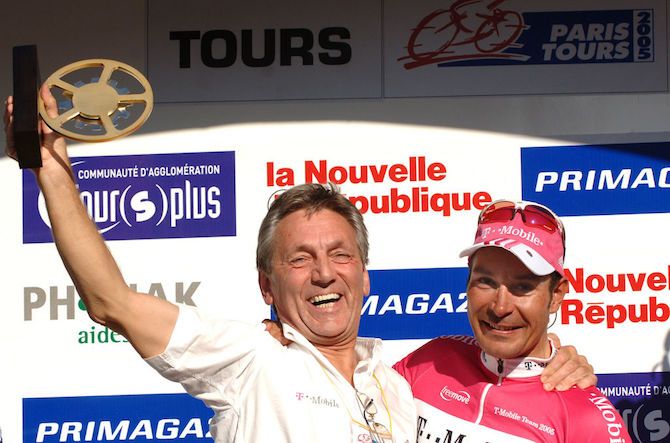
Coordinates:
<point>437,172</point>
<point>482,199</point>
<point>314,174</point>
<point>572,309</point>
<point>378,174</point>
<point>595,283</point>
<point>269,174</point>
<point>594,313</point>
<point>415,170</point>
<point>657,281</point>
<point>337,175</point>
<point>398,173</point>
<point>361,204</point>
<point>576,280</point>
<point>399,202</point>
<point>615,314</point>
<point>620,285</point>
<point>654,310</point>
<point>636,282</point>
<point>634,317</point>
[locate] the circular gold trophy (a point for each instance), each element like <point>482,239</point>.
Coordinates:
<point>98,100</point>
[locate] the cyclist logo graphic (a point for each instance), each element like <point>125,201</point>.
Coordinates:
<point>467,30</point>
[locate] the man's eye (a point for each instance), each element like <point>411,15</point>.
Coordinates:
<point>342,257</point>
<point>522,288</point>
<point>485,281</point>
<point>299,262</point>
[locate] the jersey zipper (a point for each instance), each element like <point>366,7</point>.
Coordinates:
<point>501,367</point>
<point>487,388</point>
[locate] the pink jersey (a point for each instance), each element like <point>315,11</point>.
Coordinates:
<point>465,396</point>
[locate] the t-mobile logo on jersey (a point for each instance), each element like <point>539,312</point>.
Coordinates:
<point>426,436</point>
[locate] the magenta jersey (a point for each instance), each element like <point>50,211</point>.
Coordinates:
<point>464,395</point>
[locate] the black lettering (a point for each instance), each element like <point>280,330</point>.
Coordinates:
<point>342,49</point>
<point>305,42</point>
<point>420,425</point>
<point>207,48</point>
<point>645,16</point>
<point>447,437</point>
<point>248,49</point>
<point>184,38</point>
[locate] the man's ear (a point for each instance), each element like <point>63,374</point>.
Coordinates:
<point>558,294</point>
<point>266,287</point>
<point>366,283</point>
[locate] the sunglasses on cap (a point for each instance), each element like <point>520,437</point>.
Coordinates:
<point>532,214</point>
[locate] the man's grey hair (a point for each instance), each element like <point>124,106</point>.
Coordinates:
<point>312,198</point>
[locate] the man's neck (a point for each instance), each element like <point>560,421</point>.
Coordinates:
<point>343,357</point>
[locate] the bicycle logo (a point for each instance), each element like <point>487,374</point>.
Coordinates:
<point>467,30</point>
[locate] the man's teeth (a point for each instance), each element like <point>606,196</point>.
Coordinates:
<point>501,328</point>
<point>321,300</point>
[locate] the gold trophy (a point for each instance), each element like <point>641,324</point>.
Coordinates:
<point>98,100</point>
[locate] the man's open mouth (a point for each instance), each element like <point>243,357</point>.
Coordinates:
<point>502,328</point>
<point>324,300</point>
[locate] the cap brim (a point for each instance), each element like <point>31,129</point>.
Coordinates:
<point>529,257</point>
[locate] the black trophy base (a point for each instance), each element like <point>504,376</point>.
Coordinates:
<point>26,118</point>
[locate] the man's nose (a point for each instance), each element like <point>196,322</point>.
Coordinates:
<point>502,305</point>
<point>323,272</point>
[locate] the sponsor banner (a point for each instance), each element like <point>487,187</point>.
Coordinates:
<point>598,180</point>
<point>218,50</point>
<point>590,300</point>
<point>642,400</point>
<point>140,418</point>
<point>416,304</point>
<point>463,47</point>
<point>411,185</point>
<point>146,196</point>
<point>49,303</point>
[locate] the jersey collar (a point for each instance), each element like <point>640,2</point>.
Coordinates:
<point>517,367</point>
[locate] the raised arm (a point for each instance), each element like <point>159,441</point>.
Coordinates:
<point>146,321</point>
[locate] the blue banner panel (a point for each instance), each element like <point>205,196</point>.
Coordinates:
<point>416,304</point>
<point>139,418</point>
<point>146,196</point>
<point>598,180</point>
<point>643,400</point>
<point>560,37</point>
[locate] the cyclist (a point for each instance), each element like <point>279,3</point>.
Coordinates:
<point>488,388</point>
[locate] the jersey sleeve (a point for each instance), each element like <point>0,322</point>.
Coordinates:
<point>433,354</point>
<point>593,418</point>
<point>410,366</point>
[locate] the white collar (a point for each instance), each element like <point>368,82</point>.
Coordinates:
<point>517,367</point>
<point>368,350</point>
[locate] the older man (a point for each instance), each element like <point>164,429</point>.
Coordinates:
<point>489,389</point>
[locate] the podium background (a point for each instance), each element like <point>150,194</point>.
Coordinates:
<point>496,121</point>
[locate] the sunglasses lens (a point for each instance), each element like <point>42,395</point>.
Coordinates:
<point>534,215</point>
<point>538,216</point>
<point>499,211</point>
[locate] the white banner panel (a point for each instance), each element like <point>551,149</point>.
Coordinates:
<point>213,50</point>
<point>464,47</point>
<point>420,198</point>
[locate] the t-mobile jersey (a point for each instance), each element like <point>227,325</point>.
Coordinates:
<point>464,395</point>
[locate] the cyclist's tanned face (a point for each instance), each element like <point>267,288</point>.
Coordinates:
<point>509,306</point>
